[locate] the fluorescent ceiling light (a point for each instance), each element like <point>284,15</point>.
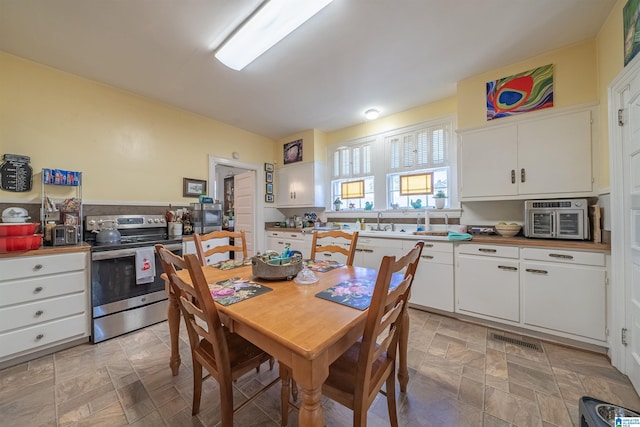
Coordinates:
<point>270,24</point>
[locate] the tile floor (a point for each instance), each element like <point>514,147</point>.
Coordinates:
<point>460,376</point>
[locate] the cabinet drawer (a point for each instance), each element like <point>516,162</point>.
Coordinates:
<point>489,250</point>
<point>570,257</point>
<point>288,235</point>
<point>15,268</point>
<point>18,316</point>
<point>33,337</point>
<point>38,288</point>
<point>385,243</point>
<point>436,257</point>
<point>429,246</point>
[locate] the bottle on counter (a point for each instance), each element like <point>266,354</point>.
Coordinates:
<point>358,224</point>
<point>362,225</point>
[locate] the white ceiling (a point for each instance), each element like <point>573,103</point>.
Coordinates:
<point>355,54</point>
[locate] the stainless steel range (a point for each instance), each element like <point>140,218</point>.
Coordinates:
<point>122,299</point>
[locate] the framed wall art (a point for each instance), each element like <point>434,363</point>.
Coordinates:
<point>520,93</point>
<point>268,167</point>
<point>268,198</point>
<point>631,29</point>
<point>293,152</point>
<point>269,188</point>
<point>268,176</point>
<point>193,187</point>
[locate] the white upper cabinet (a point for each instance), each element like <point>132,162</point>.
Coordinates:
<point>301,185</point>
<point>544,157</point>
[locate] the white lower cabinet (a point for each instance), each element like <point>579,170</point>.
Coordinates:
<point>566,294</point>
<point>298,241</point>
<point>44,302</point>
<point>433,285</point>
<point>370,250</point>
<point>487,281</point>
<point>553,291</point>
<point>189,247</point>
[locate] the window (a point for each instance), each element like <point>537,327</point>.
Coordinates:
<point>421,150</point>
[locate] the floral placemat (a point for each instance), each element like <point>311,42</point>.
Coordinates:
<point>355,293</point>
<point>321,265</point>
<point>229,264</point>
<point>235,289</point>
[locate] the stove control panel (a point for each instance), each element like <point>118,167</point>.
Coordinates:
<point>96,222</point>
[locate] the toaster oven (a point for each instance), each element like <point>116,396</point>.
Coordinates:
<point>557,219</point>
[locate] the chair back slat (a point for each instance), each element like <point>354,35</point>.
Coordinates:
<point>317,245</point>
<point>384,317</point>
<point>239,244</point>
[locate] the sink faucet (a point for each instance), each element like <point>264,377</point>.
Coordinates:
<point>446,219</point>
<point>379,216</point>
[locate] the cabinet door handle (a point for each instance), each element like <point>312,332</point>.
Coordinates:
<point>38,289</point>
<point>281,243</point>
<point>522,175</point>
<point>39,337</point>
<point>428,245</point>
<point>507,267</point>
<point>368,250</point>
<point>39,313</point>
<point>536,271</point>
<point>561,256</point>
<point>513,176</point>
<point>492,251</point>
<point>37,267</point>
<point>427,256</point>
<point>327,255</point>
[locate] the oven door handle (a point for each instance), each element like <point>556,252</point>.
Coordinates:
<point>121,253</point>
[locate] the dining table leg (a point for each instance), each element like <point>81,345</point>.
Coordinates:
<point>173,315</point>
<point>403,370</point>
<point>309,376</point>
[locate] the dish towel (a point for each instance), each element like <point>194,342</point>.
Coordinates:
<point>454,235</point>
<point>145,265</point>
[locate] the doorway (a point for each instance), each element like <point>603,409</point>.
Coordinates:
<point>219,169</point>
<point>624,152</point>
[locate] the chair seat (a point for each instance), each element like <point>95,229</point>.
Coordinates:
<point>340,385</point>
<point>242,354</point>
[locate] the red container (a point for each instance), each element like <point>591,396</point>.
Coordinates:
<point>18,229</point>
<point>20,243</point>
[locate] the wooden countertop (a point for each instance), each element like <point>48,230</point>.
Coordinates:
<point>486,239</point>
<point>49,250</point>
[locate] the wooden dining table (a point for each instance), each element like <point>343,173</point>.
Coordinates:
<point>304,332</point>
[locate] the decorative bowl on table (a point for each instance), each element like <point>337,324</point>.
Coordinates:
<point>276,268</point>
<point>508,230</point>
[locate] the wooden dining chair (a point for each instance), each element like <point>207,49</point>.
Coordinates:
<point>225,355</point>
<point>318,245</point>
<point>205,247</point>
<point>357,376</point>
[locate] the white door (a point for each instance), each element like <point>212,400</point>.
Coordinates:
<point>244,206</point>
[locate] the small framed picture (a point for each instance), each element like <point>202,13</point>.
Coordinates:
<point>268,167</point>
<point>293,152</point>
<point>268,198</point>
<point>193,187</point>
<point>268,176</point>
<point>269,188</point>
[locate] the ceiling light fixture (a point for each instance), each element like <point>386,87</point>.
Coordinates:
<point>272,22</point>
<point>372,114</point>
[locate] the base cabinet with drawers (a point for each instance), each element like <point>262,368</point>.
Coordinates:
<point>371,250</point>
<point>554,291</point>
<point>487,281</point>
<point>44,302</point>
<point>433,285</point>
<point>564,291</point>
<point>297,241</point>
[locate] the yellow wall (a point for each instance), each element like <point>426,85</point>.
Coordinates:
<point>423,113</point>
<point>129,148</point>
<point>610,58</point>
<point>574,82</point>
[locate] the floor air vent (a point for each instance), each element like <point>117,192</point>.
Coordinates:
<point>515,341</point>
